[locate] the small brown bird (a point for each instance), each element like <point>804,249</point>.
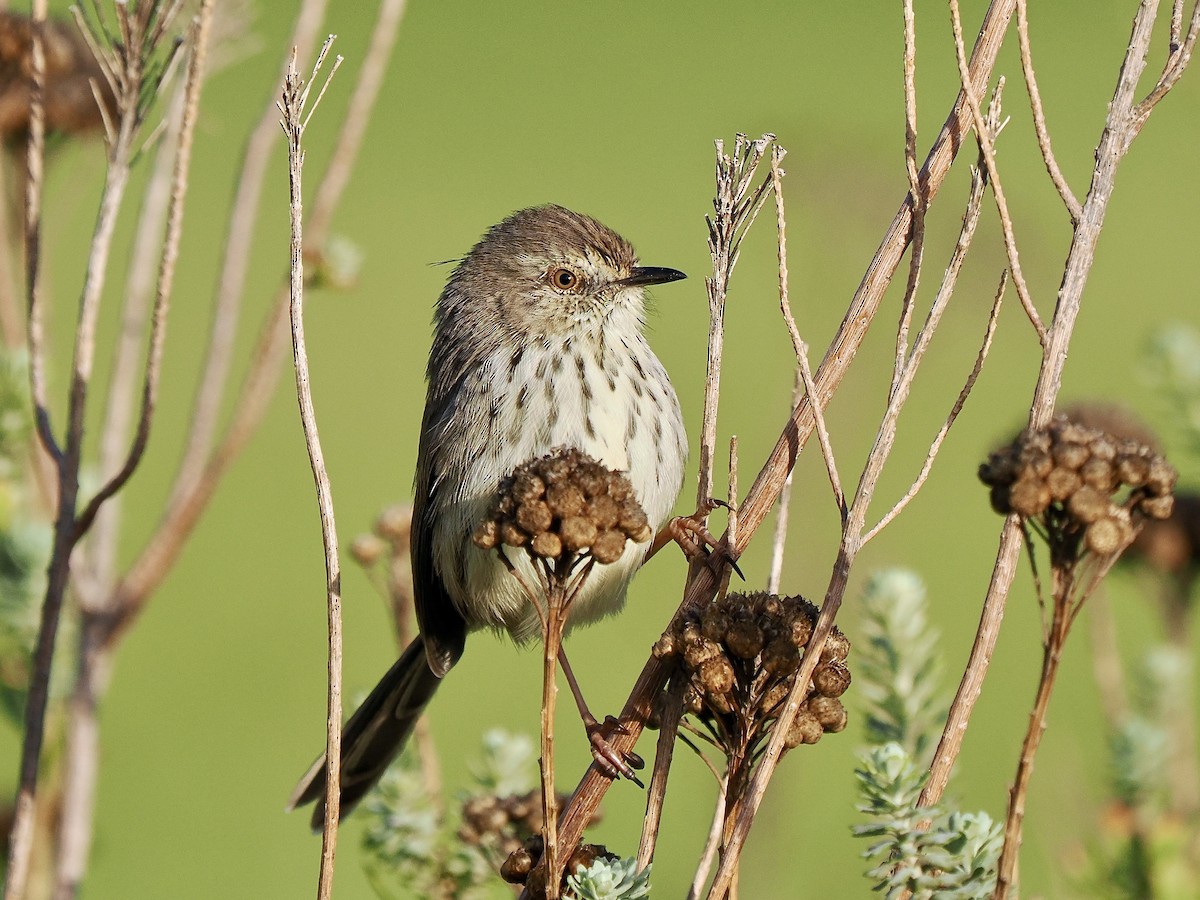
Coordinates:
<point>537,345</point>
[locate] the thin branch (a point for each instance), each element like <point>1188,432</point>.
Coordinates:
<point>1039,116</point>
<point>1119,130</point>
<point>917,196</point>
<point>936,445</point>
<point>82,754</point>
<point>782,508</point>
<point>656,793</point>
<point>294,118</point>
<point>713,843</point>
<point>166,271</point>
<point>798,345</point>
<point>35,172</point>
<point>201,470</point>
<point>1177,63</point>
<point>988,150</point>
<point>765,490</point>
<point>226,313</point>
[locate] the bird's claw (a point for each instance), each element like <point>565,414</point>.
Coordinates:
<point>693,537</point>
<point>611,762</point>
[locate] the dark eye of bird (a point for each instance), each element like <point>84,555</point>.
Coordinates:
<point>564,279</point>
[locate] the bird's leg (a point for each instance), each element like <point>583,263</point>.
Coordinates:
<point>611,762</point>
<point>694,539</point>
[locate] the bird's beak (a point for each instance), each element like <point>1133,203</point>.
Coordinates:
<point>642,275</point>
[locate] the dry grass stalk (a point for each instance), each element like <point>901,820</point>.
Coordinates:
<point>702,582</point>
<point>1126,116</point>
<point>297,111</point>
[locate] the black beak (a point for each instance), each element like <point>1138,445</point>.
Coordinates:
<point>651,275</point>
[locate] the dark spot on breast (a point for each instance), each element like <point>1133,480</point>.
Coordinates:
<point>540,372</point>
<point>513,362</point>
<point>589,427</point>
<point>522,396</point>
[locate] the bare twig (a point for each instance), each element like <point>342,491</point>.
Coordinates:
<point>798,345</point>
<point>713,843</point>
<point>935,446</point>
<point>782,508</point>
<point>1039,116</point>
<point>35,163</point>
<point>202,469</point>
<point>132,102</point>
<point>766,487</point>
<point>919,201</point>
<point>987,150</point>
<point>295,117</point>
<point>226,314</point>
<point>668,728</point>
<point>736,207</point>
<point>1121,126</point>
<point>20,846</point>
<point>83,732</point>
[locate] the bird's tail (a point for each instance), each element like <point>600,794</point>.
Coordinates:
<point>374,734</point>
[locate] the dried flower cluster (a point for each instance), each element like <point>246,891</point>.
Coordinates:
<point>562,505</point>
<point>71,72</point>
<point>741,654</point>
<point>503,824</point>
<point>522,862</point>
<point>1068,476</point>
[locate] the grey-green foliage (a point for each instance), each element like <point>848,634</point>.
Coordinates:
<point>1171,365</point>
<point>413,852</point>
<point>897,675</point>
<point>24,540</point>
<point>954,857</point>
<point>605,880</point>
<point>897,669</point>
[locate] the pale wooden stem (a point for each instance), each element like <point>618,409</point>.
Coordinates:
<point>765,490</point>
<point>293,108</point>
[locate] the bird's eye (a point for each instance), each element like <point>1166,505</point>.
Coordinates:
<point>564,279</point>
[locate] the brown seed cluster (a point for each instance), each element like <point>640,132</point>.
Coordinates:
<point>70,69</point>
<point>502,823</point>
<point>741,654</point>
<point>1071,478</point>
<point>562,505</point>
<point>522,861</point>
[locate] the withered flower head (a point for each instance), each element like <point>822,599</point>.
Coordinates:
<point>565,504</point>
<point>741,654</point>
<point>1080,483</point>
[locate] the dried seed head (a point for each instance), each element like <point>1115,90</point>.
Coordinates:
<point>367,549</point>
<point>565,503</point>
<point>741,655</point>
<point>1094,480</point>
<point>806,729</point>
<point>831,680</point>
<point>395,524</point>
<point>829,712</point>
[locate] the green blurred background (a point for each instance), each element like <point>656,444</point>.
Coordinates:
<point>217,702</point>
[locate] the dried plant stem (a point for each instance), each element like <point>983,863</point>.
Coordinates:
<point>987,151</point>
<point>551,645</point>
<point>94,664</point>
<point>202,468</point>
<point>1052,646</point>
<point>296,114</point>
<point>783,507</point>
<point>799,347</point>
<point>120,151</point>
<point>668,728</point>
<point>713,844</point>
<point>920,202</point>
<point>1039,116</point>
<point>1122,124</point>
<point>760,498</point>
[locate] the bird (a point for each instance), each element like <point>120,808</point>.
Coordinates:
<point>538,344</point>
